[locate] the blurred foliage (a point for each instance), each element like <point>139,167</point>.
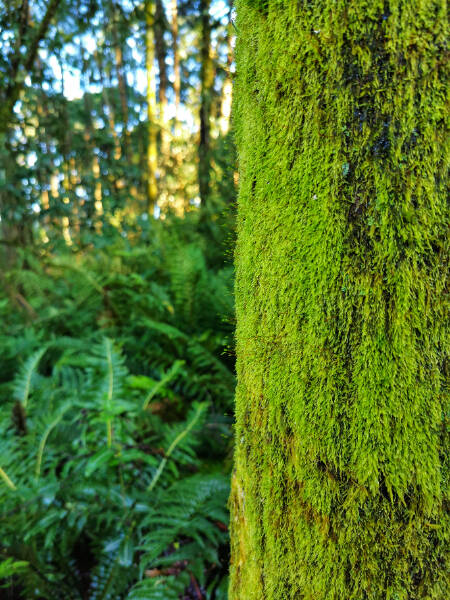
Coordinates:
<point>116,388</point>
<point>116,314</point>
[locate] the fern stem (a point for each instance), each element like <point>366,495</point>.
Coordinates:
<point>47,432</point>
<point>29,373</point>
<point>109,435</point>
<point>109,431</point>
<point>7,480</point>
<point>104,593</point>
<point>173,445</point>
<point>160,384</point>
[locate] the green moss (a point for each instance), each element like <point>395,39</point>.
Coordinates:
<point>339,485</point>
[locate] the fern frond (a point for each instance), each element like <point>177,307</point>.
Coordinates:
<point>107,380</point>
<point>160,588</point>
<point>111,577</point>
<point>7,480</point>
<point>11,567</point>
<point>165,379</point>
<point>110,389</point>
<point>64,263</point>
<point>51,425</point>
<point>23,381</point>
<point>199,411</point>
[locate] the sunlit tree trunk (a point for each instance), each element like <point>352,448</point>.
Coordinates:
<point>9,211</point>
<point>160,48</point>
<point>89,138</point>
<point>227,89</point>
<point>26,49</point>
<point>98,199</point>
<point>339,485</point>
<point>66,166</point>
<point>176,60</point>
<point>65,221</point>
<point>108,114</point>
<point>180,199</point>
<point>206,84</point>
<point>152,150</point>
<point>43,115</point>
<point>120,72</point>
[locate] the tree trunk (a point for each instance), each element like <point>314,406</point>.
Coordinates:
<point>108,114</point>
<point>160,48</point>
<point>227,88</point>
<point>23,61</point>
<point>152,150</point>
<point>337,492</point>
<point>176,61</point>
<point>206,85</point>
<point>120,72</point>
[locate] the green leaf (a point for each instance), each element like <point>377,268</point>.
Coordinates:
<point>99,459</point>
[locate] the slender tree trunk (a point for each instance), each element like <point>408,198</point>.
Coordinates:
<point>176,61</point>
<point>89,138</point>
<point>180,200</point>
<point>109,114</point>
<point>23,60</point>
<point>119,66</point>
<point>152,150</point>
<point>206,85</point>
<point>43,115</point>
<point>227,89</point>
<point>66,166</point>
<point>338,491</point>
<point>160,48</point>
<point>10,236</point>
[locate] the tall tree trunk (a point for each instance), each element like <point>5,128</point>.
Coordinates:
<point>10,211</point>
<point>66,165</point>
<point>89,137</point>
<point>44,174</point>
<point>109,114</point>
<point>206,85</point>
<point>119,66</point>
<point>338,489</point>
<point>152,150</point>
<point>227,89</point>
<point>23,59</point>
<point>176,61</point>
<point>160,48</point>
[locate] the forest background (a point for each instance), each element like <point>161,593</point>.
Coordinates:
<point>117,187</point>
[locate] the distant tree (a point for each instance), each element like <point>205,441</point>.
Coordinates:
<point>206,90</point>
<point>21,54</point>
<point>340,479</point>
<point>83,143</point>
<point>152,150</point>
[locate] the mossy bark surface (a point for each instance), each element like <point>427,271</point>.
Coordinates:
<point>339,484</point>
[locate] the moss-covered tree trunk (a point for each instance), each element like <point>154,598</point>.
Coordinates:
<point>339,482</point>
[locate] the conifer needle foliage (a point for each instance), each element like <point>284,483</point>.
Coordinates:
<point>340,488</point>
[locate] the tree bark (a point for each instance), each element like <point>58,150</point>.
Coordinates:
<point>118,57</point>
<point>108,114</point>
<point>26,61</point>
<point>227,88</point>
<point>176,61</point>
<point>206,85</point>
<point>339,481</point>
<point>161,51</point>
<point>152,150</point>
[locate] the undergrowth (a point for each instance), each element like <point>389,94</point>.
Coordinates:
<point>115,387</point>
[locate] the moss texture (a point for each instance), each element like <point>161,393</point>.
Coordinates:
<point>339,482</point>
